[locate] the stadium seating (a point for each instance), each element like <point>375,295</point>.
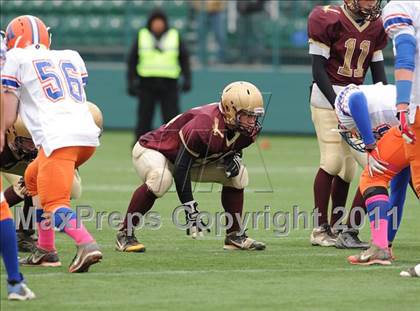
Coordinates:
<point>112,24</point>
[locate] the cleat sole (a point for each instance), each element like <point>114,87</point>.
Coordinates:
<point>89,260</point>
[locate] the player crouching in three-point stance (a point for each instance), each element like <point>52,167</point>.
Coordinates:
<point>398,148</point>
<point>203,144</point>
<point>47,88</point>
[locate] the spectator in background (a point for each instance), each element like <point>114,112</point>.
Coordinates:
<point>211,14</point>
<point>156,60</point>
<point>251,37</point>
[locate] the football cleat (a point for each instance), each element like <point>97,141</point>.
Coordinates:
<point>391,252</point>
<point>87,255</point>
<point>41,257</point>
<point>233,241</point>
<point>349,238</point>
<point>323,236</point>
<point>413,272</point>
<point>371,256</point>
<point>128,243</point>
<point>26,243</point>
<point>19,291</point>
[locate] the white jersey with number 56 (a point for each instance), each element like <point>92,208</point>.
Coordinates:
<point>50,87</point>
<point>403,17</point>
<point>380,103</point>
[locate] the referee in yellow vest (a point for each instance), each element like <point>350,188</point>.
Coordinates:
<point>157,59</point>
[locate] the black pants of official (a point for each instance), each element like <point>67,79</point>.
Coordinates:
<point>164,93</point>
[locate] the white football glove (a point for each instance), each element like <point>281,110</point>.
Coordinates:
<point>374,161</point>
<point>195,225</point>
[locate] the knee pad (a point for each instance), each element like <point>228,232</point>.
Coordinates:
<point>240,181</point>
<point>17,183</point>
<point>159,180</point>
<point>76,188</point>
<point>348,169</point>
<point>19,187</point>
<point>331,163</point>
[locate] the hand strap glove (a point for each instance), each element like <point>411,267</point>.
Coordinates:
<point>194,226</point>
<point>406,132</point>
<point>374,161</point>
<point>233,165</point>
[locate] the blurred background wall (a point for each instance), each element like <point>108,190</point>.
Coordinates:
<point>265,44</point>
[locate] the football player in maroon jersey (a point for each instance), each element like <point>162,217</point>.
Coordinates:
<point>344,42</point>
<point>203,144</point>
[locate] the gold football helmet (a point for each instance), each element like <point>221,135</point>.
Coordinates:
<point>240,98</point>
<point>96,114</point>
<point>20,141</point>
<point>371,13</point>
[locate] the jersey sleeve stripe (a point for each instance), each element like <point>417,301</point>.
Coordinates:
<point>84,80</point>
<point>10,83</point>
<point>396,14</point>
<point>181,135</point>
<point>11,78</point>
<point>399,20</point>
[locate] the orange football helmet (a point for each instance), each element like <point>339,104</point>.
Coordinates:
<point>27,30</point>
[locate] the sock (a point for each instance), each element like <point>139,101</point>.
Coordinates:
<point>379,227</point>
<point>46,233</point>
<point>354,218</point>
<point>397,199</point>
<point>141,202</point>
<point>79,234</point>
<point>29,228</point>
<point>322,191</point>
<point>339,192</point>
<point>233,203</point>
<point>8,249</point>
<point>12,198</point>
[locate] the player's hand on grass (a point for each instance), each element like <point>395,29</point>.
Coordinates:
<point>375,164</point>
<point>406,132</point>
<point>195,225</point>
<point>233,165</point>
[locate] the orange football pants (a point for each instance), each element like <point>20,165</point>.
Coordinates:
<point>391,150</point>
<point>5,212</point>
<point>412,152</point>
<point>51,178</point>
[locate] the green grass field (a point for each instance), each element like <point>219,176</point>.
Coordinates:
<point>177,273</point>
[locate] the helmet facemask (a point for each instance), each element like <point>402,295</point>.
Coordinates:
<point>368,14</point>
<point>248,129</point>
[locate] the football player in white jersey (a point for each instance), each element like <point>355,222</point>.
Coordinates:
<point>46,87</point>
<point>16,287</point>
<point>365,113</point>
<point>402,24</point>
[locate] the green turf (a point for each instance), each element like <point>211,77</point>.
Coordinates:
<point>177,273</point>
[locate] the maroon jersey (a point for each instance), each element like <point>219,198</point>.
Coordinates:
<point>201,130</point>
<point>351,46</point>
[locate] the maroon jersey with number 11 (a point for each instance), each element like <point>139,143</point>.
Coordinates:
<point>351,46</point>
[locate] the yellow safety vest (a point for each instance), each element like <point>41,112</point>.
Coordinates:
<point>155,63</point>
